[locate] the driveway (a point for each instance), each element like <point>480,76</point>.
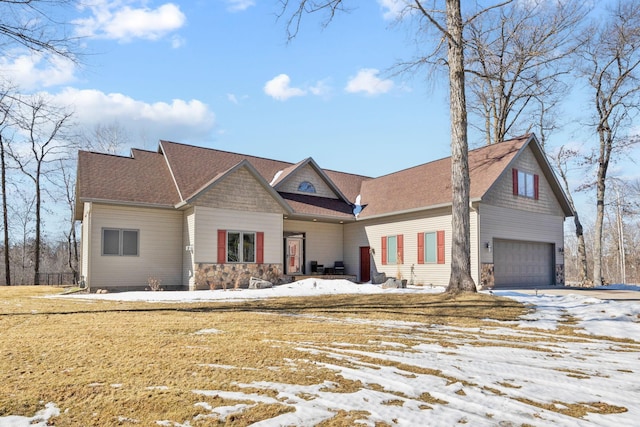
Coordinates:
<point>608,294</point>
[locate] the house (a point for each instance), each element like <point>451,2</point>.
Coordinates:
<point>196,218</point>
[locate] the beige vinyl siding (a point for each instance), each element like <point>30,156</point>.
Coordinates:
<point>85,244</point>
<point>309,174</point>
<point>514,224</point>
<point>323,242</point>
<point>355,237</point>
<point>189,237</point>
<point>160,247</point>
<point>208,221</point>
<point>501,194</point>
<point>370,233</point>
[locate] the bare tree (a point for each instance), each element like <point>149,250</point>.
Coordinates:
<point>610,64</point>
<point>450,25</point>
<point>518,56</point>
<point>34,24</point>
<point>109,138</point>
<point>561,160</point>
<point>43,126</point>
<point>5,108</point>
<point>68,187</point>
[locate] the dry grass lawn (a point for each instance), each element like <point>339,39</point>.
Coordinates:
<point>111,363</point>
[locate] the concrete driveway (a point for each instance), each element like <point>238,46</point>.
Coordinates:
<point>610,294</point>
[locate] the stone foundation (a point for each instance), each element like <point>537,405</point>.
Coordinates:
<point>487,278</point>
<point>234,276</point>
<point>560,274</point>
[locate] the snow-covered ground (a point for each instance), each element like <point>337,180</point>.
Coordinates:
<point>487,376</point>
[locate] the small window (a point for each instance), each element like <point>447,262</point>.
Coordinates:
<point>392,248</point>
<point>306,187</point>
<point>241,246</point>
<point>525,184</point>
<point>430,248</point>
<point>119,242</point>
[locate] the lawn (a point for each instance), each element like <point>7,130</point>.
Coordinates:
<point>331,360</point>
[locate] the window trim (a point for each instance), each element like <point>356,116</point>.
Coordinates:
<point>121,232</point>
<point>526,184</point>
<point>399,256</point>
<point>307,187</point>
<point>223,246</point>
<point>438,246</point>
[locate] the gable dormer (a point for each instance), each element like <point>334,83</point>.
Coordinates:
<point>307,178</point>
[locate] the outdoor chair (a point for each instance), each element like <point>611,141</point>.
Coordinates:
<point>338,267</point>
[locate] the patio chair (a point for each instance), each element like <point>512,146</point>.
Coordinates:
<point>338,267</point>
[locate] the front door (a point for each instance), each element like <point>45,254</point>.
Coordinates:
<point>365,264</point>
<point>294,255</point>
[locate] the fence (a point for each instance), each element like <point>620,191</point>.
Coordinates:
<point>57,279</point>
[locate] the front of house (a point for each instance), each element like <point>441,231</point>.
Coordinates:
<point>198,218</point>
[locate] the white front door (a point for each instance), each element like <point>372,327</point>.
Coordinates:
<point>294,255</point>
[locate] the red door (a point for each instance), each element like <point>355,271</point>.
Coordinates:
<point>365,264</point>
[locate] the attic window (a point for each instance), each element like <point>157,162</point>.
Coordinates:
<point>306,187</point>
<point>525,184</point>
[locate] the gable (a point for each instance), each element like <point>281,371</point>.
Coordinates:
<point>306,174</point>
<point>501,193</point>
<point>238,190</point>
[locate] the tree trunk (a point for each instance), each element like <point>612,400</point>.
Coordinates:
<point>5,216</point>
<point>582,251</point>
<point>36,245</point>
<point>603,164</point>
<point>460,279</point>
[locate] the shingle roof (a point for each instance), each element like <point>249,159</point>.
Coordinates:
<point>142,178</point>
<point>193,167</point>
<point>177,172</point>
<point>429,184</point>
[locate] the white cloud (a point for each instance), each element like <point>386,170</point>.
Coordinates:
<point>279,88</point>
<point>34,71</point>
<point>367,81</point>
<point>118,21</point>
<point>322,88</point>
<point>392,9</point>
<point>239,5</point>
<point>179,120</point>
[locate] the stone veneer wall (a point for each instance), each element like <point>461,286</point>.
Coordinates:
<point>487,278</point>
<point>230,276</point>
<point>560,274</point>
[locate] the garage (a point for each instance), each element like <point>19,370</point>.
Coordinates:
<point>518,263</point>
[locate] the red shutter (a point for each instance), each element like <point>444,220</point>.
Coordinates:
<point>384,250</point>
<point>222,246</point>
<point>440,244</point>
<point>536,180</point>
<point>260,247</point>
<point>420,248</point>
<point>515,181</point>
<point>400,259</point>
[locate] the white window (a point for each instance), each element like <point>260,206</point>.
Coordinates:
<point>241,246</point>
<point>392,249</point>
<point>306,187</point>
<point>119,242</point>
<point>526,185</point>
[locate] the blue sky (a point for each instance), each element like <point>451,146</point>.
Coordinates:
<point>221,74</point>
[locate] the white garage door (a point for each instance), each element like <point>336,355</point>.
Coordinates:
<point>519,263</point>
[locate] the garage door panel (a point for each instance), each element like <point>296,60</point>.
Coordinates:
<point>519,263</point>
